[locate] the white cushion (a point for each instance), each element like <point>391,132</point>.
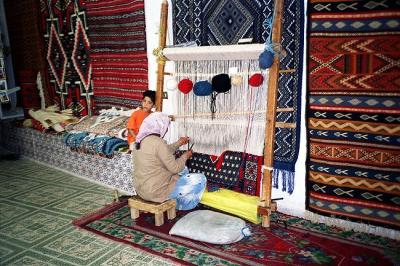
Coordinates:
<point>211,227</point>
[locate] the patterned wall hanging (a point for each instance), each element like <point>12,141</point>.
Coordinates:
<point>225,22</point>
<point>353,111</point>
<point>118,52</point>
<point>64,26</point>
<point>56,57</point>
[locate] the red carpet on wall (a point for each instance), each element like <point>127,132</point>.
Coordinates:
<point>118,52</point>
<point>67,55</point>
<point>301,243</point>
<point>27,49</point>
<point>29,93</point>
<point>353,111</point>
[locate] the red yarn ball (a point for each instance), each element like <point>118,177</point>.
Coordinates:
<point>256,80</point>
<point>185,86</point>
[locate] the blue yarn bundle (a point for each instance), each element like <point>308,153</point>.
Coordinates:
<point>202,88</point>
<point>266,58</point>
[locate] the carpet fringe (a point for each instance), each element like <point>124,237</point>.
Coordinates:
<point>348,225</point>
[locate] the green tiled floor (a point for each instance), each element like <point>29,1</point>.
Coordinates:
<point>37,205</point>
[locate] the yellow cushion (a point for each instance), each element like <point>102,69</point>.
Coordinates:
<point>239,204</point>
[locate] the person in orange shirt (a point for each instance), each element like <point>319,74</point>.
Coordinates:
<point>136,119</point>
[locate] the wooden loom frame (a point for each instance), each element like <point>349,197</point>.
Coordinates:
<point>266,205</point>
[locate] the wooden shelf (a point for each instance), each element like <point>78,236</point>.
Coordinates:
<point>221,52</point>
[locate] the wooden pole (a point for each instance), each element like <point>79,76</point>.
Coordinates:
<point>266,206</point>
<point>160,58</point>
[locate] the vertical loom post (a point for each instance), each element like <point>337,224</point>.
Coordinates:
<point>265,206</point>
<point>160,58</point>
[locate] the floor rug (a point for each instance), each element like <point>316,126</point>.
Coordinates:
<point>354,111</point>
<point>293,245</point>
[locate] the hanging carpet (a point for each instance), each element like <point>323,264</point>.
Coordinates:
<point>26,38</point>
<point>68,73</point>
<point>353,113</point>
<point>301,243</point>
<point>225,22</point>
<point>117,52</point>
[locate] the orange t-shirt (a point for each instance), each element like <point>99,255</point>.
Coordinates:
<point>134,123</point>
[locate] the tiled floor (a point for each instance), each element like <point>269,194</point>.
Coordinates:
<point>37,205</point>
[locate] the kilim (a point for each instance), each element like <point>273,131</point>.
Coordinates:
<point>225,22</point>
<point>118,52</point>
<point>232,170</point>
<point>353,112</point>
<point>64,26</point>
<point>297,242</point>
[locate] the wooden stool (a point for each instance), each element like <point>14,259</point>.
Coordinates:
<point>136,204</point>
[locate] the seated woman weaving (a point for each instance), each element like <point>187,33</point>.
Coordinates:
<point>158,175</point>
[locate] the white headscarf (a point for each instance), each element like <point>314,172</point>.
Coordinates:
<point>155,123</point>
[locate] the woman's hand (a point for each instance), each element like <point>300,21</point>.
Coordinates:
<point>183,140</point>
<point>189,154</point>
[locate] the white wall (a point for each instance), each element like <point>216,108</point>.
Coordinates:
<point>293,204</point>
<point>152,12</point>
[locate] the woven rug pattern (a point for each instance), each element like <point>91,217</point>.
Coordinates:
<point>225,22</point>
<point>295,245</point>
<point>118,52</point>
<point>68,82</point>
<point>353,113</point>
<point>232,170</point>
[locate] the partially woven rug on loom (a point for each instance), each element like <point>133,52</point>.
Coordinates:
<point>301,243</point>
<point>353,111</point>
<point>118,52</point>
<point>236,171</point>
<point>224,22</point>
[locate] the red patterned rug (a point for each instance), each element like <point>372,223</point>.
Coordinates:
<point>118,52</point>
<point>290,241</point>
<point>353,112</point>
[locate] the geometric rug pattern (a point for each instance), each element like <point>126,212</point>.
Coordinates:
<point>96,53</point>
<point>279,245</point>
<point>64,27</point>
<point>37,205</point>
<point>353,112</point>
<point>236,171</point>
<point>214,23</point>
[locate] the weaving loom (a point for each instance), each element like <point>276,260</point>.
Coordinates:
<point>245,116</point>
<point>239,122</point>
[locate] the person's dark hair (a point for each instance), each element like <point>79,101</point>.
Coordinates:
<point>151,95</point>
<point>137,144</point>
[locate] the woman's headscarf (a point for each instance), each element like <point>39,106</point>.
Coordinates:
<point>155,124</point>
